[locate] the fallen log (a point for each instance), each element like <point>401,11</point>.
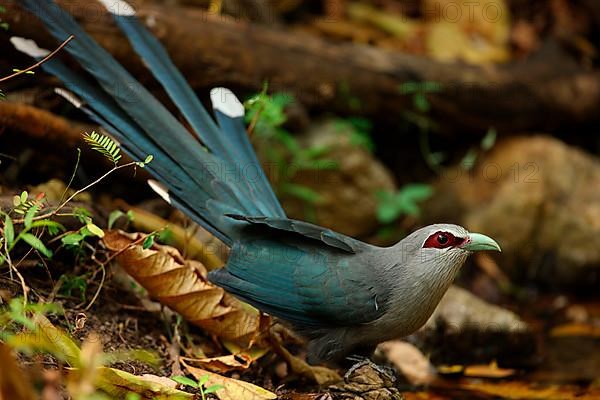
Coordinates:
<point>40,124</point>
<point>547,92</point>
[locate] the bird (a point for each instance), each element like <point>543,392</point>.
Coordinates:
<point>343,295</point>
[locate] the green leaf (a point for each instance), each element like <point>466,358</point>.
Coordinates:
<point>184,380</point>
<point>203,379</point>
<point>72,239</point>
<point>213,389</point>
<point>95,230</point>
<point>24,196</point>
<point>148,242</point>
<point>468,161</point>
<point>315,152</point>
<point>9,230</point>
<point>83,215</point>
<point>409,87</point>
<point>29,216</point>
<point>288,141</point>
<point>104,145</point>
<point>36,243</point>
<point>421,103</point>
<point>52,226</point>
<point>302,192</point>
<point>489,139</point>
<point>387,213</point>
<point>404,202</point>
<point>113,217</point>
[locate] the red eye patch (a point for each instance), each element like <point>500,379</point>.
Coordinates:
<point>442,240</point>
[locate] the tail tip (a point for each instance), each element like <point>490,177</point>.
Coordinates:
<point>160,189</point>
<point>28,47</point>
<point>225,101</point>
<point>118,7</point>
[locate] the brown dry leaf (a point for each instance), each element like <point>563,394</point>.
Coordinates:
<point>409,360</point>
<point>119,383</point>
<point>233,389</point>
<point>524,390</point>
<point>322,375</point>
<point>221,364</point>
<point>239,359</point>
<point>13,384</point>
<point>209,250</point>
<point>488,371</point>
<point>182,285</point>
<point>576,329</point>
<point>475,32</point>
<point>397,25</point>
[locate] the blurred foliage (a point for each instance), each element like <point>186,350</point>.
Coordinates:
<point>404,202</point>
<point>266,117</point>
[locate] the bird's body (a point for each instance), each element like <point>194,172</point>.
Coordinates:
<point>339,292</point>
<point>344,295</point>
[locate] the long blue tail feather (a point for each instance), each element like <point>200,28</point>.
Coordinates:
<point>231,143</point>
<point>197,179</point>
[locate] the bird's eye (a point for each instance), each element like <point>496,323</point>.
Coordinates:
<point>442,238</point>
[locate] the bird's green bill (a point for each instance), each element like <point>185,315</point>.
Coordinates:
<point>478,242</point>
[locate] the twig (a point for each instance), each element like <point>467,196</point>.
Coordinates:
<point>76,193</point>
<point>37,64</point>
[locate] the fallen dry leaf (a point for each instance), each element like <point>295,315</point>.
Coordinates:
<point>119,383</point>
<point>182,285</point>
<point>206,249</point>
<point>532,391</point>
<point>13,384</point>
<point>409,360</point>
<point>221,364</point>
<point>576,329</point>
<point>488,371</point>
<point>475,32</point>
<point>233,389</point>
<point>322,375</point>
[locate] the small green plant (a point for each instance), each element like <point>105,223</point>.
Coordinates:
<point>31,218</point>
<point>359,131</point>
<point>488,141</point>
<point>117,214</point>
<point>3,24</point>
<point>419,116</point>
<point>199,385</point>
<point>266,116</point>
<point>393,205</point>
<point>103,145</point>
<point>70,284</point>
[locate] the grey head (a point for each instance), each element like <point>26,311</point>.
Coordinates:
<point>440,249</point>
<point>420,268</point>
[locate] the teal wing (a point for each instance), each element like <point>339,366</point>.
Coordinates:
<point>308,230</point>
<point>309,285</point>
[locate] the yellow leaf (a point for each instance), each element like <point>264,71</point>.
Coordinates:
<point>182,285</point>
<point>13,384</point>
<point>209,250</point>
<point>322,375</point>
<point>118,383</point>
<point>47,338</point>
<point>233,389</point>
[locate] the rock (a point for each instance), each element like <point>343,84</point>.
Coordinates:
<point>367,381</point>
<point>348,192</point>
<point>409,361</point>
<point>465,329</point>
<point>460,310</point>
<point>540,199</point>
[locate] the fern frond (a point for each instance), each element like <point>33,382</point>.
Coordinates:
<point>103,145</point>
